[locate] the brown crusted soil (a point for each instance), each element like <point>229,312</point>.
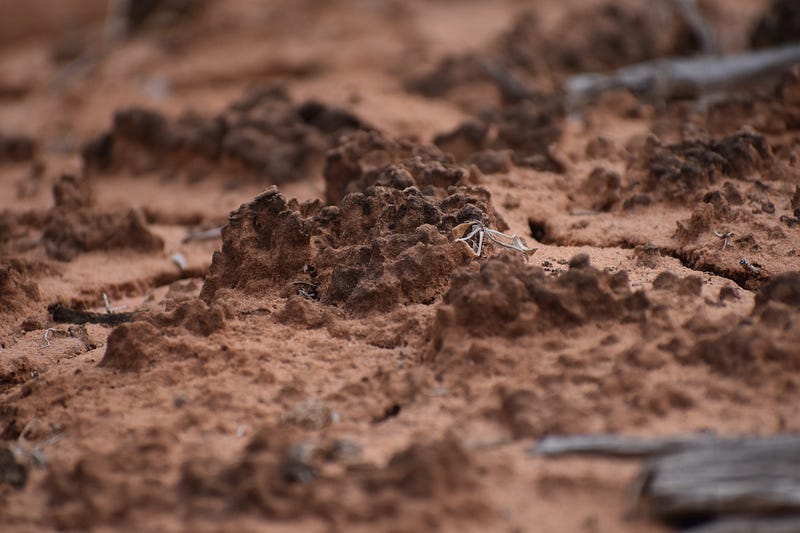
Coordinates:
<point>262,198</point>
<point>75,225</point>
<point>389,244</point>
<point>509,298</point>
<point>597,36</point>
<point>780,25</point>
<point>264,136</point>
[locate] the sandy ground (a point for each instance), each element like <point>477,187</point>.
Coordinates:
<point>336,360</point>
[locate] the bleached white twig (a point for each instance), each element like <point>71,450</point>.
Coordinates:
<point>473,234</point>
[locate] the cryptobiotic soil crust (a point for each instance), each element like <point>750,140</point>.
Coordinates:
<point>334,359</point>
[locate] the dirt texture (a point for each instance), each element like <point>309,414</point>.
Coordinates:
<point>263,265</point>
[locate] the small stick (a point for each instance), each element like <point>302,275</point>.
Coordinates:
<point>726,237</point>
<point>512,88</point>
<point>203,235</point>
<point>107,303</point>
<point>662,79</point>
<point>179,260</point>
<point>311,293</point>
<point>22,434</point>
<point>473,233</point>
<point>754,269</point>
<point>616,445</point>
<point>59,313</point>
<point>689,12</point>
<point>47,334</point>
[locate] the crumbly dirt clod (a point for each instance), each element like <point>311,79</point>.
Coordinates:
<point>17,148</point>
<point>683,171</point>
<point>71,232</point>
<point>75,225</point>
<point>263,136</point>
<point>18,292</point>
<point>507,297</point>
<point>526,130</point>
<point>388,243</point>
<point>136,345</point>
<point>588,39</point>
<point>281,478</point>
<point>756,350</point>
<point>370,158</point>
<point>780,25</point>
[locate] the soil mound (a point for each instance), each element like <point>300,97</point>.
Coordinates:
<point>780,25</point>
<point>132,346</point>
<point>526,129</point>
<point>17,293</point>
<point>75,226</point>
<point>136,345</point>
<point>285,479</point>
<point>263,136</point>
<point>683,171</point>
<point>370,158</point>
<point>524,60</point>
<point>595,38</point>
<point>17,148</point>
<point>507,297</point>
<point>763,348</point>
<point>388,244</point>
<point>784,288</point>
<point>764,345</point>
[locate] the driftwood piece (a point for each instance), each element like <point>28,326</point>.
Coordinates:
<point>727,477</point>
<point>723,484</point>
<point>749,525</point>
<point>662,79</point>
<point>616,445</point>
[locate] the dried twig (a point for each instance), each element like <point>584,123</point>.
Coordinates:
<point>725,236</point>
<point>662,79</point>
<point>473,234</point>
<point>307,290</point>
<point>615,445</point>
<point>753,268</point>
<point>690,13</point>
<point>47,334</point>
<point>511,88</point>
<point>59,313</point>
<point>107,302</point>
<point>179,260</point>
<point>203,235</point>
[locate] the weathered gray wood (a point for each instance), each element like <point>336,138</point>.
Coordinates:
<point>616,445</point>
<point>746,484</point>
<point>662,79</point>
<point>727,477</point>
<point>749,525</point>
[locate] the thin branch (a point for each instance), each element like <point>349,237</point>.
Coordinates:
<point>616,445</point>
<point>59,313</point>
<point>689,12</point>
<point>662,79</point>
